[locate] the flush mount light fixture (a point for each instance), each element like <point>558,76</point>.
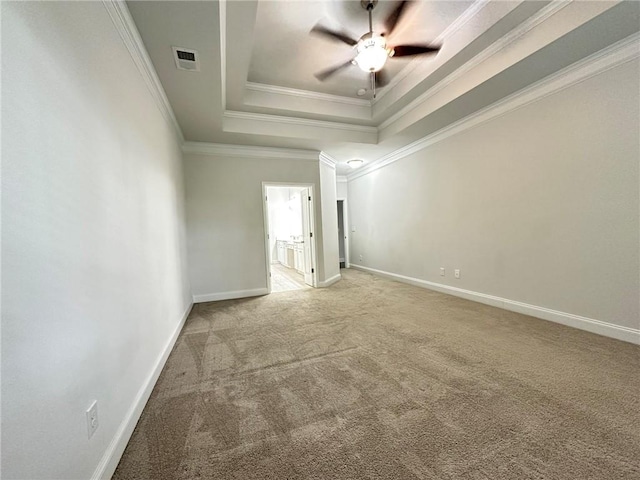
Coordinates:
<point>355,163</point>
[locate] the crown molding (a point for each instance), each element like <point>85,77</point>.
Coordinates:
<point>293,92</point>
<point>126,27</point>
<point>328,160</point>
<point>228,150</point>
<point>263,117</point>
<point>615,55</point>
<point>541,16</point>
<point>448,32</point>
<point>342,179</point>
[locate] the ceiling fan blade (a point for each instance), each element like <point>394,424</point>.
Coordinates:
<point>408,50</point>
<point>382,78</point>
<point>393,18</point>
<point>324,74</point>
<point>324,31</point>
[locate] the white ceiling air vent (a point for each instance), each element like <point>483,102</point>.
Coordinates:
<point>186,59</point>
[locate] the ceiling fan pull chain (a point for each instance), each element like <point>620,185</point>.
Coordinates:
<point>373,83</point>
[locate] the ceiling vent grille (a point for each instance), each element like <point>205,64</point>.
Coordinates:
<point>186,59</point>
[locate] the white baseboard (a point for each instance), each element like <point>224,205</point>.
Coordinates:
<point>214,297</point>
<point>631,335</point>
<point>112,455</point>
<point>329,281</point>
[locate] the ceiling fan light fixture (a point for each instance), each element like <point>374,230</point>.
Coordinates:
<point>355,163</point>
<point>372,53</point>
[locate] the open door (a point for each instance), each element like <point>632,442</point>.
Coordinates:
<point>307,231</point>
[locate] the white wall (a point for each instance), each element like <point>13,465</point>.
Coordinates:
<point>342,190</point>
<point>93,249</point>
<point>538,206</point>
<point>329,223</point>
<point>225,220</point>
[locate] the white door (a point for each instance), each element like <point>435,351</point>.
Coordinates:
<point>307,232</point>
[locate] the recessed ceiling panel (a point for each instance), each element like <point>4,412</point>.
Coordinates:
<point>285,54</point>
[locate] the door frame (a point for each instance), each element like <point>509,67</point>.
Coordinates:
<point>345,229</point>
<point>312,221</point>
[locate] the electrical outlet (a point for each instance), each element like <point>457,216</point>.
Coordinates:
<point>92,418</point>
<point>441,271</point>
<point>456,273</point>
<point>360,257</point>
<point>353,229</point>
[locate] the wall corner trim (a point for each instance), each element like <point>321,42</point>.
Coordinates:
<point>228,150</point>
<point>130,36</point>
<point>328,160</point>
<point>330,281</point>
<point>618,332</point>
<point>112,455</point>
<point>214,297</point>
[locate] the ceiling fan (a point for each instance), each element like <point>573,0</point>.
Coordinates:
<point>372,48</point>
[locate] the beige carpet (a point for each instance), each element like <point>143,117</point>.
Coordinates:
<point>373,379</point>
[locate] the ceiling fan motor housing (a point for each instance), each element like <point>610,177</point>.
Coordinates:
<point>368,4</point>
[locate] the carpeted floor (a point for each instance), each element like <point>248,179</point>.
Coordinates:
<point>373,379</point>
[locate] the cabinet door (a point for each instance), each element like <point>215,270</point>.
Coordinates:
<point>300,260</point>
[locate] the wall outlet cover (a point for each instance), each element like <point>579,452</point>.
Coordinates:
<point>456,273</point>
<point>441,272</point>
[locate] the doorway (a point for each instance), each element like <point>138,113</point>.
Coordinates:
<point>289,240</point>
<point>343,238</point>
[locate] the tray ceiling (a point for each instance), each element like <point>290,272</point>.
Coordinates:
<point>256,84</point>
<point>285,54</point>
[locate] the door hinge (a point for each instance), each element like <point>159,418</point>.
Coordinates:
<point>313,271</point>
<point>311,234</point>
<point>268,237</point>
<point>266,199</point>
<point>309,198</point>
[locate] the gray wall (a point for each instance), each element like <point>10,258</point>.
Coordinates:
<point>539,205</point>
<point>225,219</point>
<point>94,280</point>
